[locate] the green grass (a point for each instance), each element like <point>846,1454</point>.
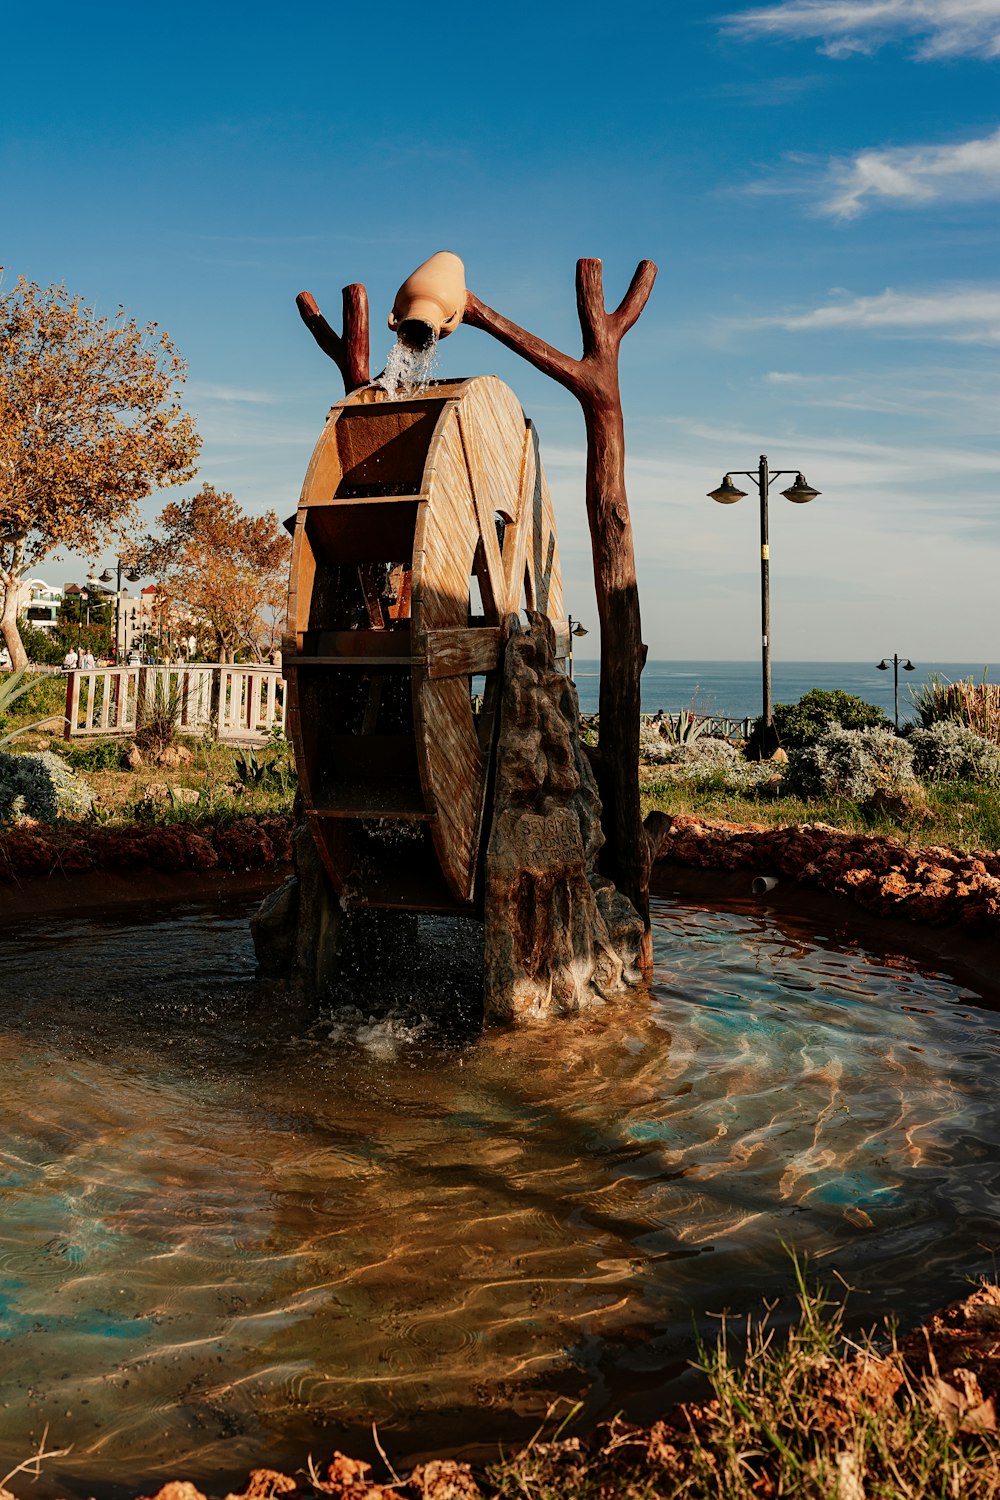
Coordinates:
<point>959,814</point>
<point>807,1415</point>
<point>47,696</point>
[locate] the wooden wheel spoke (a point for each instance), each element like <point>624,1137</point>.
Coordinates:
<point>376,687</point>
<point>488,548</point>
<point>516,558</point>
<point>371,588</point>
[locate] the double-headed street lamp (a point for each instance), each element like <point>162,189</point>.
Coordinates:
<point>897,662</point>
<point>133,576</point>
<point>800,493</point>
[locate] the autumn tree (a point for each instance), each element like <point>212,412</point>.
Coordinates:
<point>229,568</point>
<point>90,424</point>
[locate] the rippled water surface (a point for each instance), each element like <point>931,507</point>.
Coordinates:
<point>230,1237</point>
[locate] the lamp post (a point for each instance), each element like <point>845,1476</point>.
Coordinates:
<point>575,629</point>
<point>127,616</point>
<point>81,596</point>
<point>800,493</point>
<point>133,576</point>
<point>907,665</point>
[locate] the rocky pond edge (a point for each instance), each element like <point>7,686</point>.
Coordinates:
<point>929,885</point>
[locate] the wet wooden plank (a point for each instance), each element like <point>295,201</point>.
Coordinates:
<point>347,661</point>
<point>394,643</point>
<point>363,800</point>
<point>456,653</point>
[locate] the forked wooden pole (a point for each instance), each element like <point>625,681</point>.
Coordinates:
<point>350,351</point>
<point>593,380</point>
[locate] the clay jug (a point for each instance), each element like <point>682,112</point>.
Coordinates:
<point>430,302</point>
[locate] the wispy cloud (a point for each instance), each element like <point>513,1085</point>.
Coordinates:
<point>961,172</point>
<point>942,28</point>
<point>951,400</point>
<point>969,314</point>
<point>206,391</point>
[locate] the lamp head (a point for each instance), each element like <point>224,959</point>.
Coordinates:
<point>908,666</point>
<point>579,629</point>
<point>106,576</point>
<point>727,493</point>
<point>800,493</point>
<point>883,665</point>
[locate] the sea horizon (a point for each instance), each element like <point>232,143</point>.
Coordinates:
<point>733,687</point>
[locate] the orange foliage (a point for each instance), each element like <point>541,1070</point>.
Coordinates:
<point>229,568</point>
<point>90,424</point>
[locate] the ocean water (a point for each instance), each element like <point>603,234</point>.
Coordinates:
<point>734,687</point>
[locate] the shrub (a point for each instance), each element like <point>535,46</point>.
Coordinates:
<point>102,755</point>
<point>948,751</point>
<point>43,648</point>
<point>41,786</point>
<point>715,765</point>
<point>158,713</point>
<point>861,764</point>
<point>803,723</point>
<point>974,704</point>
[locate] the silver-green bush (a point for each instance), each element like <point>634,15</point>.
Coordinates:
<point>703,752</point>
<point>715,765</point>
<point>948,751</point>
<point>41,786</point>
<point>856,763</point>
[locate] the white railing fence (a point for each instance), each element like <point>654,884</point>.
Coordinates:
<point>240,704</point>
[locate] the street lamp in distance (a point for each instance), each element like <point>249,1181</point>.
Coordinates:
<point>800,492</point>
<point>133,576</point>
<point>897,662</point>
<point>578,630</point>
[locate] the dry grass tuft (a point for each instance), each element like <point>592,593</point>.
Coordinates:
<point>809,1416</point>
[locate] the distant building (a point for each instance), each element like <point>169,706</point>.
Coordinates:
<point>38,602</point>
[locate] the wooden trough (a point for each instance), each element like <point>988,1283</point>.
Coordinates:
<point>424,525</point>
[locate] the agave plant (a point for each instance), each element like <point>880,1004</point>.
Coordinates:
<point>11,688</point>
<point>687,729</point>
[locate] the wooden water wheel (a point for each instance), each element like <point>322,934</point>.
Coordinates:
<point>424,524</point>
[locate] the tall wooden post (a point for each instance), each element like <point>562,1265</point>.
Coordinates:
<point>593,380</point>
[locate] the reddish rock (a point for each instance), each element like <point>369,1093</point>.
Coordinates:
<point>200,853</point>
<point>23,852</point>
<point>443,1479</point>
<point>76,857</point>
<point>244,846</point>
<point>177,1489</point>
<point>267,1484</point>
<point>279,831</point>
<point>929,885</point>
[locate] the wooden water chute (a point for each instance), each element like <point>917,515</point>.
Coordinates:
<point>424,524</point>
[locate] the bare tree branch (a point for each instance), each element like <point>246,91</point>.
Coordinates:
<point>536,351</point>
<point>629,308</point>
<point>350,352</point>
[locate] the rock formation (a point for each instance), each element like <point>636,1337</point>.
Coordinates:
<point>558,935</point>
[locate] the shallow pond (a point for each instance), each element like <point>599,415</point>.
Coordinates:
<point>228,1238</point>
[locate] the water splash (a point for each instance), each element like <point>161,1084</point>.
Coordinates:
<point>408,372</point>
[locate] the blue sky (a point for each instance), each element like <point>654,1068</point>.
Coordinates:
<point>818,181</point>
